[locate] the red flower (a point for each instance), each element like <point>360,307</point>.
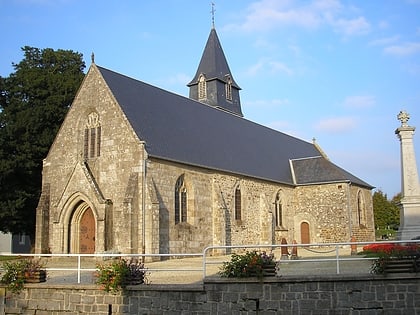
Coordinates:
<point>390,248</point>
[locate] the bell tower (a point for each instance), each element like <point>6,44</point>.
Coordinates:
<point>213,83</point>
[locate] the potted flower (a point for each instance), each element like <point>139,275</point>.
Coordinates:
<point>115,276</point>
<point>249,264</point>
<point>21,271</point>
<point>393,257</point>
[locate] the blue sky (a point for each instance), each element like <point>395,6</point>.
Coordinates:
<point>337,71</point>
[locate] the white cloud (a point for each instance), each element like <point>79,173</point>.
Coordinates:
<point>276,66</point>
<point>297,51</point>
<point>268,66</point>
<point>265,15</point>
<point>336,124</point>
<point>383,25</point>
<point>175,83</point>
<point>268,14</point>
<point>265,44</point>
<point>43,2</point>
<point>255,68</point>
<point>384,41</point>
<point>405,49</point>
<point>412,68</point>
<point>268,103</point>
<point>360,101</point>
<point>393,47</point>
<point>349,27</point>
<point>285,127</point>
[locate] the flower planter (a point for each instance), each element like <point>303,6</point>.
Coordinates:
<point>269,271</point>
<point>394,257</point>
<point>266,271</point>
<point>401,265</point>
<point>36,276</point>
<point>134,280</point>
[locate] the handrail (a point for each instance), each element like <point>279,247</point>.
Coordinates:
<point>79,268</point>
<point>336,245</point>
<point>206,253</point>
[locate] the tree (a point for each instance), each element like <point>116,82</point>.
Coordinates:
<point>33,102</point>
<point>396,209</point>
<point>386,212</point>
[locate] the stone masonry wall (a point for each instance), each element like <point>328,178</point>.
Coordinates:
<point>332,212</point>
<point>326,208</point>
<point>363,226</point>
<point>368,295</point>
<point>328,217</point>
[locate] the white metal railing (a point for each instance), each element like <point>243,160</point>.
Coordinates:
<point>79,257</point>
<point>335,248</point>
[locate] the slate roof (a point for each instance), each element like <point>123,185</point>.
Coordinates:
<point>179,129</point>
<point>316,170</point>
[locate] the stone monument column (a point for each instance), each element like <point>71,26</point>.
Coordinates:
<point>410,187</point>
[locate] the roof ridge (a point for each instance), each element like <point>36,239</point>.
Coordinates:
<point>308,157</point>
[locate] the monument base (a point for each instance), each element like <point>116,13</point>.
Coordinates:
<point>408,233</point>
<point>409,218</point>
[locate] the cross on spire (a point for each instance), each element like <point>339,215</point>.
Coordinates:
<point>212,13</point>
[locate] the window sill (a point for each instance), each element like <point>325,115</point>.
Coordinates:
<point>281,228</point>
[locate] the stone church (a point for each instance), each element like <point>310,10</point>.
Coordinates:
<point>137,169</point>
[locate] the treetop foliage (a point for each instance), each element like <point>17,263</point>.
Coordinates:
<point>386,212</point>
<point>34,100</point>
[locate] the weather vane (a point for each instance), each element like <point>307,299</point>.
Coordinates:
<point>212,13</point>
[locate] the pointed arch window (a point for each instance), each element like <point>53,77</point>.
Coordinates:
<point>361,209</point>
<point>278,210</point>
<point>202,87</point>
<point>92,137</point>
<point>180,200</point>
<point>228,87</point>
<point>238,204</point>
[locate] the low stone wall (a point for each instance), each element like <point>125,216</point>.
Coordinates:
<point>392,294</point>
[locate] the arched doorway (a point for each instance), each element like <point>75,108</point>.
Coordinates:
<point>82,234</point>
<point>304,233</point>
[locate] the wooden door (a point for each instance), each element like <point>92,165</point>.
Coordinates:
<point>304,233</point>
<point>87,233</point>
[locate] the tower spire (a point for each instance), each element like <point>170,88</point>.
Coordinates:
<point>213,82</point>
